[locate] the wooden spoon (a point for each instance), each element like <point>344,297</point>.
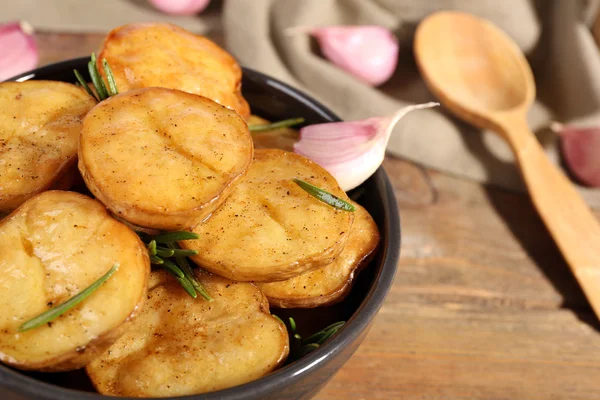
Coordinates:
<point>480,74</point>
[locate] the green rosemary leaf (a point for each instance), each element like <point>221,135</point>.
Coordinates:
<point>97,79</point>
<point>325,197</point>
<point>327,335</point>
<point>59,310</point>
<point>173,269</point>
<point>304,350</point>
<point>110,78</point>
<point>176,252</point>
<point>187,286</point>
<point>170,237</point>
<point>83,83</point>
<point>277,318</point>
<point>316,337</point>
<point>184,253</point>
<point>292,325</point>
<point>156,260</point>
<point>152,247</point>
<point>189,273</point>
<point>276,125</point>
<point>162,252</point>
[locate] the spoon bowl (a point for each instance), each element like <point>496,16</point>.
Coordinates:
<point>473,64</point>
<point>480,74</point>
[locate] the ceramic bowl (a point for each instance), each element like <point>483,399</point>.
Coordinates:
<point>302,379</point>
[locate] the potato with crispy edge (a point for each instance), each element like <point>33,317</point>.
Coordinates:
<point>51,248</point>
<point>40,123</point>
<point>270,229</point>
<point>162,158</point>
<point>331,283</point>
<point>164,55</point>
<point>181,346</point>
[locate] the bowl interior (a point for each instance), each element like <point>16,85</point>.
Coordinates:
<point>273,100</point>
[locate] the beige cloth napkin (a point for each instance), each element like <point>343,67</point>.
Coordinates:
<point>554,34</point>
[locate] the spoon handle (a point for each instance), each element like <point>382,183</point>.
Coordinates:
<point>570,221</point>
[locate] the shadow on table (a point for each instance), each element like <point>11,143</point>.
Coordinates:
<point>525,224</point>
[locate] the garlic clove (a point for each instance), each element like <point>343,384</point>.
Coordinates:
<point>580,148</point>
<point>19,51</point>
<point>368,52</point>
<point>351,151</point>
<point>180,7</point>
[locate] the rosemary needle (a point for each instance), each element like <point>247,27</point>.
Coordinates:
<point>103,90</point>
<point>171,237</point>
<point>152,247</point>
<point>84,84</point>
<point>97,79</point>
<point>175,252</point>
<point>276,125</point>
<point>180,269</point>
<point>325,196</point>
<point>59,310</point>
<point>161,252</point>
<point>172,268</point>
<point>112,85</point>
<point>300,347</point>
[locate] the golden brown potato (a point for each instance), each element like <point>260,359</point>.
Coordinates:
<point>270,229</point>
<point>181,346</point>
<point>40,123</point>
<point>162,158</point>
<point>331,283</point>
<point>51,248</point>
<point>165,55</point>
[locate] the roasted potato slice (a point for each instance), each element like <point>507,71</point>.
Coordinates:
<point>51,248</point>
<point>40,123</point>
<point>331,283</point>
<point>181,346</point>
<point>164,55</point>
<point>270,229</point>
<point>162,158</point>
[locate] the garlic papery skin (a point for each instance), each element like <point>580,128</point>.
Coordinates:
<point>18,49</point>
<point>180,7</point>
<point>368,52</point>
<point>351,151</point>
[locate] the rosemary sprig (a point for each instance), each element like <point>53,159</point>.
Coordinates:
<point>103,90</point>
<point>300,347</point>
<point>286,123</point>
<point>164,251</point>
<point>325,196</point>
<point>59,310</point>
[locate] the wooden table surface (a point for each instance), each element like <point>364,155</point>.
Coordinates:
<point>482,307</point>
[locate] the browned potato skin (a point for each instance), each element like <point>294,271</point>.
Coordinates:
<point>162,158</point>
<point>173,346</point>
<point>137,264</point>
<point>270,229</point>
<point>164,55</point>
<point>40,123</point>
<point>329,284</point>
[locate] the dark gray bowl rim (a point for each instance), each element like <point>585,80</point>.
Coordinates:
<point>312,362</point>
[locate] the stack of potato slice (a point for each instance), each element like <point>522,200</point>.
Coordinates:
<point>172,151</point>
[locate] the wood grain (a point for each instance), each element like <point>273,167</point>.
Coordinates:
<point>483,305</point>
